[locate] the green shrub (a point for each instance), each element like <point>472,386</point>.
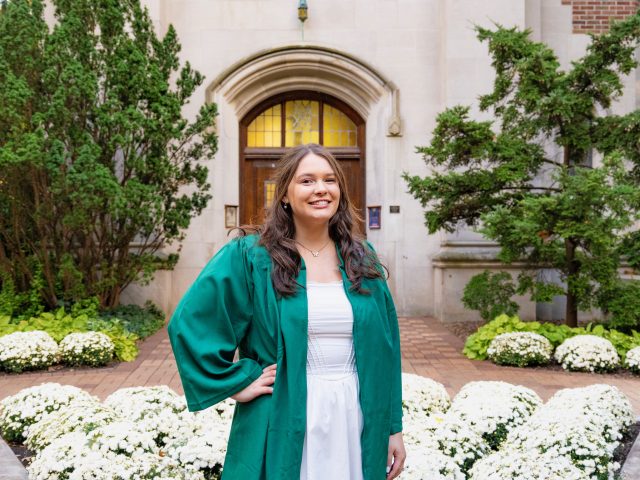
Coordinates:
<point>143,321</point>
<point>490,294</point>
<point>123,340</point>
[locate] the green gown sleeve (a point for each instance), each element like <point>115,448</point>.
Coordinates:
<point>207,326</point>
<point>396,379</point>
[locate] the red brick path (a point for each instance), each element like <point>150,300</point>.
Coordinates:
<point>428,349</point>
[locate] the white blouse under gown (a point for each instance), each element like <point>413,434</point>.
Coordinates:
<point>334,418</point>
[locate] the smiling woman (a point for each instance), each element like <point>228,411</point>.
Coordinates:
<point>305,301</point>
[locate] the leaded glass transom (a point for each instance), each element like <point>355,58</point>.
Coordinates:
<point>304,121</point>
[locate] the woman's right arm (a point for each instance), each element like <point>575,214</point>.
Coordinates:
<point>207,326</point>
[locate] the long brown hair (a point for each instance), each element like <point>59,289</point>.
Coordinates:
<point>278,231</point>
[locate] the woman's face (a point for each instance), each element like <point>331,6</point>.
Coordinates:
<point>313,194</point>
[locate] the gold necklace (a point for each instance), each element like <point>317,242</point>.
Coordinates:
<point>315,253</point>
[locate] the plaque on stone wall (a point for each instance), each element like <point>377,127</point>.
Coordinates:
<point>374,216</point>
<point>230,216</point>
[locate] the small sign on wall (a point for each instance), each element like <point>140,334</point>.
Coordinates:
<point>230,216</point>
<point>374,216</point>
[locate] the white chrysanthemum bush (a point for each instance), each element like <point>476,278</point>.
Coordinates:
<point>94,349</point>
<point>158,410</point>
<point>520,349</point>
<point>422,396</point>
<point>516,464</point>
<point>582,424</point>
<point>20,351</point>
<point>490,431</point>
<point>80,416</point>
<point>632,361</point>
<point>587,353</point>
<point>137,433</point>
<point>424,463</point>
<point>32,404</point>
<point>117,453</point>
<point>493,409</point>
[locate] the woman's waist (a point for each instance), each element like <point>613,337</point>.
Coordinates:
<point>330,371</point>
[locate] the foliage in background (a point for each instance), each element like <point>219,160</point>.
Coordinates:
<point>59,324</point>
<point>477,344</point>
<point>94,151</point>
<point>504,177</point>
<point>622,303</point>
<point>490,294</point>
<point>142,321</point>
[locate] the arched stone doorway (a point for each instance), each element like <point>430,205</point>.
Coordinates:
<point>291,119</point>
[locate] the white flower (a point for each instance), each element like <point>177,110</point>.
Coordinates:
<point>76,456</point>
<point>588,353</point>
<point>86,348</point>
<point>429,464</point>
<point>422,396</point>
<point>82,416</point>
<point>520,349</point>
<point>584,425</point>
<point>632,362</point>
<point>493,409</point>
<point>27,351</point>
<point>448,434</point>
<point>204,451</point>
<point>29,405</point>
<point>525,465</point>
<point>157,410</point>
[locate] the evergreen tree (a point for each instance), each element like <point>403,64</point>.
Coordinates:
<point>95,154</point>
<point>551,210</point>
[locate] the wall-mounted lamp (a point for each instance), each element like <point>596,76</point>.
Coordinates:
<point>302,10</point>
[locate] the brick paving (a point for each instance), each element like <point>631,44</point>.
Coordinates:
<point>429,349</point>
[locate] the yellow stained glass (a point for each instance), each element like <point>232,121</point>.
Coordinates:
<point>303,122</point>
<point>266,128</point>
<point>269,192</point>
<point>339,130</point>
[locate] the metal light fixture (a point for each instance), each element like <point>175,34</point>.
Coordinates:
<point>302,10</point>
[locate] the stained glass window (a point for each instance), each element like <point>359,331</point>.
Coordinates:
<point>266,128</point>
<point>303,122</point>
<point>339,130</point>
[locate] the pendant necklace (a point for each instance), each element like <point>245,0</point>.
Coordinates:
<point>315,253</point>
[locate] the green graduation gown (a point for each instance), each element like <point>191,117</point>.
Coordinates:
<point>232,304</point>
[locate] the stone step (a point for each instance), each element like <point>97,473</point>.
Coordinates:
<point>10,466</point>
<point>631,468</point>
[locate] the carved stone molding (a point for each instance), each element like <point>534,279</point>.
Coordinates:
<point>271,72</point>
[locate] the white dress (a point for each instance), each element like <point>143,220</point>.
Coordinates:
<point>334,419</point>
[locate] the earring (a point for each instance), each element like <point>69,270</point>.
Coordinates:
<point>285,205</point>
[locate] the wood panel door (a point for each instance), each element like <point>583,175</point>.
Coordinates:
<point>259,157</point>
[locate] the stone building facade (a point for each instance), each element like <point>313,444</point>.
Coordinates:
<point>373,74</point>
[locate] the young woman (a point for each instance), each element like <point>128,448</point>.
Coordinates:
<point>305,302</point>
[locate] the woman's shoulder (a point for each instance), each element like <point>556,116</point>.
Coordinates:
<point>251,247</point>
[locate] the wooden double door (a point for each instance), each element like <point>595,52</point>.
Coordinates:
<point>292,119</point>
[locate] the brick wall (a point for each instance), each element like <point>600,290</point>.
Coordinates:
<point>594,16</point>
